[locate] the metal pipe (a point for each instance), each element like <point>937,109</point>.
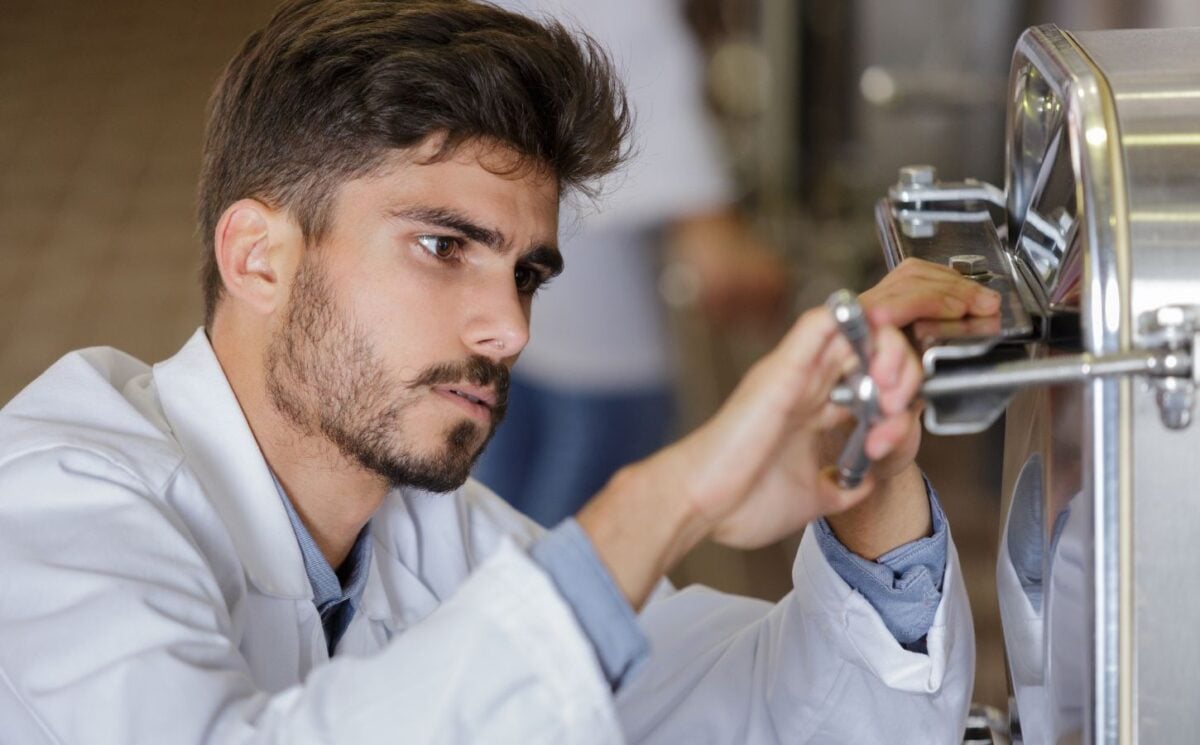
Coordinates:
<point>1052,371</point>
<point>1056,371</point>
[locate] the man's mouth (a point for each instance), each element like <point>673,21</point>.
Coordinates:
<point>473,398</point>
<point>480,401</point>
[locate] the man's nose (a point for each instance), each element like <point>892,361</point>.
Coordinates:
<point>498,323</point>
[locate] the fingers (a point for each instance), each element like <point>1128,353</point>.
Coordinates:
<point>921,289</point>
<point>888,434</point>
<point>808,336</point>
<point>817,355</point>
<point>895,369</point>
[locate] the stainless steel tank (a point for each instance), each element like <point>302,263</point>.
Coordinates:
<point>1094,242</point>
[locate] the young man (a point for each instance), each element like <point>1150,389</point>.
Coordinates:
<point>270,536</point>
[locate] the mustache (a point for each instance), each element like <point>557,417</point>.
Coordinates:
<point>477,370</point>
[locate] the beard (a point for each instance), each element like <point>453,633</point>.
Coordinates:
<point>325,377</point>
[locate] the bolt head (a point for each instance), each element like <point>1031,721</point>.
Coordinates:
<point>913,228</point>
<point>968,264</point>
<point>1170,315</point>
<point>918,175</point>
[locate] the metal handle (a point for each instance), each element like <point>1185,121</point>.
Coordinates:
<point>853,462</point>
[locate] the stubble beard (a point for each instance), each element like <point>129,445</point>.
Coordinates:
<point>324,376</point>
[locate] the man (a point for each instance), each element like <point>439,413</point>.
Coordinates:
<point>268,537</point>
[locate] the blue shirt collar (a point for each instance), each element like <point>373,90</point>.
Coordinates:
<point>335,601</point>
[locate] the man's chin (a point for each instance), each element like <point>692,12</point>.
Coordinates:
<point>442,471</point>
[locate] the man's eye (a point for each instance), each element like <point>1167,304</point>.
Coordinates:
<point>441,246</point>
<point>529,280</point>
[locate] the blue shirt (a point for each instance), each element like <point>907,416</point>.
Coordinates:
<point>904,586</point>
<point>337,597</point>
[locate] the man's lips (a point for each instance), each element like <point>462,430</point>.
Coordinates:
<point>479,399</point>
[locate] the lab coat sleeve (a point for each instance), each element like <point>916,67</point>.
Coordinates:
<point>818,667</point>
<point>114,630</point>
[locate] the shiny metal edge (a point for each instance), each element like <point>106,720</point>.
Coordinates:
<point>885,227</point>
<point>1097,159</point>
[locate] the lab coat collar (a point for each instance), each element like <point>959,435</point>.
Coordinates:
<point>212,430</point>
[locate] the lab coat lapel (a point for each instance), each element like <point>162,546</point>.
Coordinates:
<point>209,425</point>
<point>398,591</point>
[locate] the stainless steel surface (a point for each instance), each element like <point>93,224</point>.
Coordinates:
<point>1101,228</point>
<point>1062,104</point>
<point>1155,81</point>
<point>953,227</point>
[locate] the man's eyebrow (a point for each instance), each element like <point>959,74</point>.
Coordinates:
<point>452,220</point>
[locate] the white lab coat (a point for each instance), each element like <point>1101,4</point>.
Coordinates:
<point>152,591</point>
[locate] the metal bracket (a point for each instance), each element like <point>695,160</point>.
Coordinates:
<point>1175,328</point>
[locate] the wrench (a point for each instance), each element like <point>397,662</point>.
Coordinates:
<point>853,462</point>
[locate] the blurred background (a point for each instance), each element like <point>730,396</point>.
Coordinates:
<point>816,105</point>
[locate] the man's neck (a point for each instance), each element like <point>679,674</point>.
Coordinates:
<point>334,495</point>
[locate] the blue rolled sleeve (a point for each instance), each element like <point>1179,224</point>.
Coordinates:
<point>567,555</point>
<point>905,584</point>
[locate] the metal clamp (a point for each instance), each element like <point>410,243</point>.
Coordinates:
<point>1171,332</point>
<point>853,462</point>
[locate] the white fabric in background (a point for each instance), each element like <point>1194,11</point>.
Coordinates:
<point>600,327</point>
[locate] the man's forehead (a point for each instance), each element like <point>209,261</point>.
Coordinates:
<point>476,184</point>
<point>494,156</point>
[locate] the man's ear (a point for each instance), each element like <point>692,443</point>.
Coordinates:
<point>255,253</point>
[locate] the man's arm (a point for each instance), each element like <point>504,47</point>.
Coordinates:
<point>753,473</point>
<point>801,670</point>
<point>106,596</point>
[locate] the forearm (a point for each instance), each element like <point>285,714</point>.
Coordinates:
<point>896,513</point>
<point>640,529</point>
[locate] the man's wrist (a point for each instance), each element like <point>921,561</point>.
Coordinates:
<point>895,513</point>
<point>640,527</point>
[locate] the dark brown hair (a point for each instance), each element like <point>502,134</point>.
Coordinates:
<point>328,87</point>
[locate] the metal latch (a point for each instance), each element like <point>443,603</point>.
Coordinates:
<point>970,397</point>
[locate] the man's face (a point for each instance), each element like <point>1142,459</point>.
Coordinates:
<point>402,325</point>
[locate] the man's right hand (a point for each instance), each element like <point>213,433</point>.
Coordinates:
<point>751,474</point>
<point>897,511</point>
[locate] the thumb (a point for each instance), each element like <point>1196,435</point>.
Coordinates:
<point>832,498</point>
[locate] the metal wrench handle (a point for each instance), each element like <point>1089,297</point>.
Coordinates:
<point>852,322</point>
<point>853,462</point>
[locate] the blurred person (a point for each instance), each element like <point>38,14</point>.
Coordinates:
<point>272,536</point>
<point>594,389</point>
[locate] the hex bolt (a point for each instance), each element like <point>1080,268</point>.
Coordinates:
<point>918,176</point>
<point>914,228</point>
<point>968,265</point>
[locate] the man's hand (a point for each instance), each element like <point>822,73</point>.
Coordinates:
<point>897,511</point>
<point>917,290</point>
<point>751,474</point>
